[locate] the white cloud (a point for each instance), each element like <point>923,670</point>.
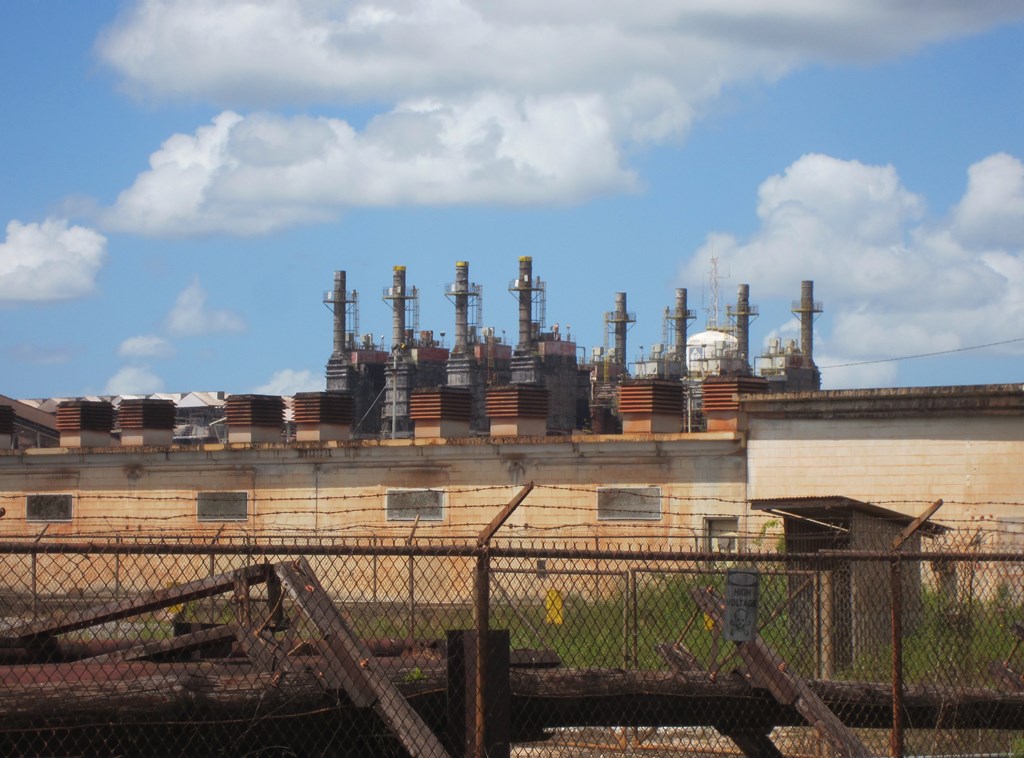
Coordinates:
<point>991,213</point>
<point>296,51</point>
<point>477,102</point>
<point>254,174</point>
<point>191,317</point>
<point>289,381</point>
<point>146,346</point>
<point>897,282</point>
<point>133,380</point>
<point>49,261</point>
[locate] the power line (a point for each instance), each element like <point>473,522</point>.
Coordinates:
<point>925,355</point>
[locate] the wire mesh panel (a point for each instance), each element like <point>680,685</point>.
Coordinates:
<point>373,647</point>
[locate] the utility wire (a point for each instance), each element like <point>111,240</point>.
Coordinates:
<point>925,355</point>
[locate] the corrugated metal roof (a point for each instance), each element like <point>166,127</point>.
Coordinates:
<point>833,508</point>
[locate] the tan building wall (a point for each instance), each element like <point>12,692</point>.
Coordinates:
<point>902,449</point>
<point>340,489</point>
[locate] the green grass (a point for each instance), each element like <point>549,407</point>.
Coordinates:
<point>947,643</point>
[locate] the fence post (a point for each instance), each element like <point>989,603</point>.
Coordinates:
<point>213,556</point>
<point>35,578</point>
<point>35,593</point>
<point>412,579</point>
<point>482,619</point>
<point>896,585</point>
<point>828,637</point>
<point>117,570</point>
<point>633,630</point>
<point>896,594</point>
<point>483,623</point>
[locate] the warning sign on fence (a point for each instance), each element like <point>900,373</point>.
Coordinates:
<point>741,594</point>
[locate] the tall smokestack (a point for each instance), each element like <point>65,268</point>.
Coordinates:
<point>743,322</point>
<point>621,322</point>
<point>680,323</point>
<point>525,286</point>
<point>398,306</point>
<point>807,311</point>
<point>339,314</point>
<point>461,295</point>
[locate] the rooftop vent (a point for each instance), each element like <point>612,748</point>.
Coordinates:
<point>85,423</point>
<point>518,410</point>
<point>254,418</point>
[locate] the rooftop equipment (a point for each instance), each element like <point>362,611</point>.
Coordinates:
<point>468,299</point>
<point>807,309</point>
<point>618,322</point>
<point>345,307</point>
<point>741,317</point>
<point>532,304</point>
<point>404,310</point>
<point>675,325</point>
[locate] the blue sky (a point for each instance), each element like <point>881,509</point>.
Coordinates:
<point>181,178</point>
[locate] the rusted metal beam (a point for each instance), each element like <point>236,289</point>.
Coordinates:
<point>766,669</point>
<point>490,530</point>
<point>143,603</point>
<point>469,549</point>
<point>349,662</point>
<point>914,525</point>
<point>754,744</point>
<point>183,643</point>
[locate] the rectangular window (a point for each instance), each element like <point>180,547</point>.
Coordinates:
<point>406,505</point>
<point>48,508</point>
<point>629,504</point>
<point>222,506</point>
<point>721,534</point>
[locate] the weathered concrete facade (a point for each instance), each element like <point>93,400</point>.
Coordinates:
<point>899,448</point>
<point>342,488</point>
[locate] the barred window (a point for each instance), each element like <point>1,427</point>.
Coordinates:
<point>720,534</point>
<point>629,504</point>
<point>406,505</point>
<point>48,508</point>
<point>222,506</point>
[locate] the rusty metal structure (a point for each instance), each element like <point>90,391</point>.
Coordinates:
<point>788,366</point>
<point>238,645</point>
<point>740,317</point>
<point>581,395</point>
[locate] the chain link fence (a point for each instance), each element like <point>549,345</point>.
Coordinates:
<point>507,647</point>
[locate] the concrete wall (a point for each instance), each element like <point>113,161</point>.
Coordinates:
<point>339,489</point>
<point>972,463</point>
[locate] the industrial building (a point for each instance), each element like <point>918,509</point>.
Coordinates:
<point>676,444</point>
<point>579,395</point>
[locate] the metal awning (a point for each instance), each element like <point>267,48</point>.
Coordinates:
<point>835,511</point>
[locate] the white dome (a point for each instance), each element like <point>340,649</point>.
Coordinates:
<point>711,337</point>
<point>706,351</point>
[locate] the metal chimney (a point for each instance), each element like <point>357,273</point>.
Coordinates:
<point>806,309</point>
<point>524,284</point>
<point>743,322</point>
<point>398,299</point>
<point>621,321</point>
<point>339,314</point>
<point>741,316</point>
<point>681,316</point>
<point>460,292</point>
